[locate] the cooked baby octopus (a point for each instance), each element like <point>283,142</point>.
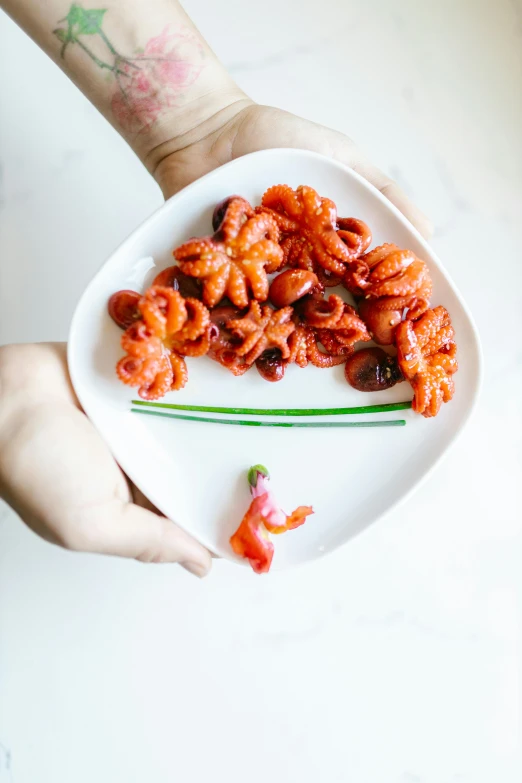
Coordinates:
<point>426,351</point>
<point>234,262</point>
<point>170,328</point>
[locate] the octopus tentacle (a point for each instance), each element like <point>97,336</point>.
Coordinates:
<point>351,327</point>
<point>171,304</point>
<point>378,254</point>
<point>390,266</point>
<point>329,339</point>
<point>265,253</point>
<point>418,305</point>
<point>292,247</point>
<point>323,313</point>
<point>317,357</point>
<point>229,359</point>
<point>135,371</point>
<point>408,350</point>
<point>297,342</point>
<point>446,358</point>
<point>196,347</point>
<point>193,249</point>
<point>179,371</point>
<point>197,318</point>
<point>445,335</point>
<point>355,234</point>
<point>237,288</point>
<point>427,327</point>
<point>161,383</point>
<point>283,199</point>
<point>285,224</point>
<point>260,226</point>
<point>355,279</point>
<point>208,264</point>
<point>237,213</point>
<point>326,258</point>
<point>258,283</point>
<point>139,341</point>
<point>404,283</point>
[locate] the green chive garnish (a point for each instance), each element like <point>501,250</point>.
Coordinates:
<point>253,423</point>
<point>383,408</point>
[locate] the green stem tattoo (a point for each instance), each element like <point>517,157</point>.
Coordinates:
<point>98,62</point>
<point>110,47</point>
<point>146,82</point>
<point>81,22</point>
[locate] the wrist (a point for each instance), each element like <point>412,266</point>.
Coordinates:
<point>186,127</point>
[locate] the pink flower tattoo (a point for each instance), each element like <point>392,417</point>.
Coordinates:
<point>146,83</point>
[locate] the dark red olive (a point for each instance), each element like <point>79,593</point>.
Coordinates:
<point>173,277</point>
<point>123,308</point>
<point>219,212</point>
<point>381,323</point>
<point>271,366</point>
<point>291,285</point>
<point>372,369</point>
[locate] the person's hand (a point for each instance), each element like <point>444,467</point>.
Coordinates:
<point>59,476</point>
<point>255,128</point>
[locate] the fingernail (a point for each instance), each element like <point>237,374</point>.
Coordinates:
<point>198,569</point>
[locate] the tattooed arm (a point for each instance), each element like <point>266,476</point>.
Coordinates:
<point>143,65</point>
<point>150,72</point>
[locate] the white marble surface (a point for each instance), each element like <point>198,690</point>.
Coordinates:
<point>398,659</point>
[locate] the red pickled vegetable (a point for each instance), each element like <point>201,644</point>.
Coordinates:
<point>251,539</point>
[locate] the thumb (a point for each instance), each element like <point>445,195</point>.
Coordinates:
<point>143,535</point>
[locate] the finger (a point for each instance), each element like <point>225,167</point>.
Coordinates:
<point>141,500</point>
<point>139,533</point>
<point>396,195</point>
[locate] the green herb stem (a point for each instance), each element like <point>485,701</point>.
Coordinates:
<point>253,423</point>
<point>384,408</point>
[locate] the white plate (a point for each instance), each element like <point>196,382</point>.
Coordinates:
<point>195,473</point>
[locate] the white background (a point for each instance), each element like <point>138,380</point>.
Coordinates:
<point>397,660</point>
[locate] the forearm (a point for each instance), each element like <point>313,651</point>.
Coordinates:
<point>143,65</point>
